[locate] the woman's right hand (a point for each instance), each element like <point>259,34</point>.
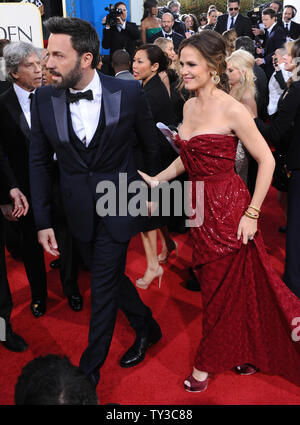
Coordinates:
<point>151,182</point>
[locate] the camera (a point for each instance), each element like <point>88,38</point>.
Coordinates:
<point>111,18</point>
<point>255,14</point>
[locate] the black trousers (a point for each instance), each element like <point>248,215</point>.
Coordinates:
<point>111,289</point>
<point>69,259</point>
<point>292,262</point>
<point>33,257</point>
<point>5,294</point>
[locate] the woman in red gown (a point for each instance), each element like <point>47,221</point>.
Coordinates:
<point>250,317</point>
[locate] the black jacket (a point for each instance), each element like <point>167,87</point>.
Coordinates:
<point>274,41</point>
<point>127,118</point>
<point>177,38</point>
<point>294,31</point>
<point>14,142</point>
<point>242,25</point>
<point>284,128</point>
<point>125,39</point>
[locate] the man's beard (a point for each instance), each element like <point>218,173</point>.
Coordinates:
<point>71,79</point>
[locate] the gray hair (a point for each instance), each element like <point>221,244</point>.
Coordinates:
<point>15,53</point>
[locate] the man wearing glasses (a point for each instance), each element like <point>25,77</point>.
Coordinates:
<point>233,19</point>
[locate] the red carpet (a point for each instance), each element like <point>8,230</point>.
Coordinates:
<point>159,379</point>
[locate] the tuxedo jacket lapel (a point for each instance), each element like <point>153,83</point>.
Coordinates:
<point>14,108</point>
<point>112,105</point>
<point>60,114</point>
<point>59,104</point>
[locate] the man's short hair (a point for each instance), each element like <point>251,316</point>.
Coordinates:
<point>234,1</point>
<point>14,53</point>
<point>246,43</point>
<point>84,37</point>
<point>119,3</point>
<point>270,12</point>
<point>120,58</point>
<point>168,13</point>
<point>173,3</point>
<point>53,380</point>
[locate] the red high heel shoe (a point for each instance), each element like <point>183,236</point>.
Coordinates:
<point>164,260</point>
<point>192,385</point>
<point>141,283</point>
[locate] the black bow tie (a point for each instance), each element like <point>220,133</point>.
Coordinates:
<point>168,35</point>
<point>75,97</point>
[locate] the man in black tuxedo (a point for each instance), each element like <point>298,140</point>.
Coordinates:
<point>233,19</point>
<point>274,38</point>
<point>13,205</point>
<point>24,72</point>
<point>292,29</point>
<point>167,23</point>
<point>92,122</point>
<point>122,36</point>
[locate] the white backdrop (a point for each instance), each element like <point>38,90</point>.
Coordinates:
<point>296,4</point>
<point>21,22</point>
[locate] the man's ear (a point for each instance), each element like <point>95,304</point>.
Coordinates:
<point>86,60</point>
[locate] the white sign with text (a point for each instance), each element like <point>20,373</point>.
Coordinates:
<point>21,22</point>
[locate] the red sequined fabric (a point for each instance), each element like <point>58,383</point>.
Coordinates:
<point>249,314</point>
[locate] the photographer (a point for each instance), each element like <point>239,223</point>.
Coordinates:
<point>118,33</point>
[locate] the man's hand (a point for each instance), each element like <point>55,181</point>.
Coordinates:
<point>20,203</point>
<point>47,239</point>
<point>120,20</point>
<point>259,61</point>
<point>7,211</point>
<point>257,31</point>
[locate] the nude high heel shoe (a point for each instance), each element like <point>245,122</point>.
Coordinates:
<point>164,260</point>
<point>141,283</point>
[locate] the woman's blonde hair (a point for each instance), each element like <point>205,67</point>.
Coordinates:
<point>243,61</point>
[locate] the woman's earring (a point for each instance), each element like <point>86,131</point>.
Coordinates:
<point>215,77</point>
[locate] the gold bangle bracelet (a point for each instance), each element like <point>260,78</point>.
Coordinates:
<point>253,216</point>
<point>254,208</point>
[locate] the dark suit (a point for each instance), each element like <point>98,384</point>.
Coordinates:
<point>284,134</point>
<point>177,38</point>
<point>274,41</point>
<point>5,295</point>
<point>14,143</point>
<point>294,31</point>
<point>125,116</point>
<point>242,25</point>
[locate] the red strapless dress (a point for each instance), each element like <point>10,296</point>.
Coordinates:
<point>248,311</point>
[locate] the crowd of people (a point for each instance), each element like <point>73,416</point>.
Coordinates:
<point>228,90</point>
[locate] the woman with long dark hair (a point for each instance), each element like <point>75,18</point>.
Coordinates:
<point>248,312</point>
<point>150,23</point>
<point>148,61</point>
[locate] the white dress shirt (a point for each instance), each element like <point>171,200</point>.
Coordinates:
<point>85,114</point>
<point>229,20</point>
<point>275,91</point>
<point>24,101</point>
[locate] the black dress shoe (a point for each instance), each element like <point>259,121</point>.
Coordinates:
<point>55,264</point>
<point>75,302</point>
<point>13,341</point>
<point>38,308</point>
<point>137,351</point>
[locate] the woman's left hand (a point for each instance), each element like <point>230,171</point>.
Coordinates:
<point>247,229</point>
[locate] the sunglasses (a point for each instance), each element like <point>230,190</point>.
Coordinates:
<point>233,8</point>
